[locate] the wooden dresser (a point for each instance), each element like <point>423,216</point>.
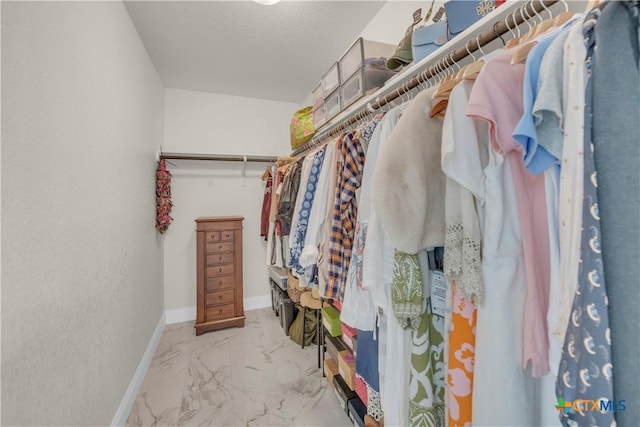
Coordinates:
<point>219,273</point>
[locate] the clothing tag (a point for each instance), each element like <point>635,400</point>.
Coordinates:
<point>439,294</point>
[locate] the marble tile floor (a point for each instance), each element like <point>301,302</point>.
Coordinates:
<point>251,376</point>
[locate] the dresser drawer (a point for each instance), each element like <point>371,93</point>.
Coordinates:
<point>219,247</point>
<point>212,236</point>
<point>219,270</point>
<point>221,297</point>
<point>221,258</point>
<point>226,235</point>
<point>219,312</point>
<point>217,283</point>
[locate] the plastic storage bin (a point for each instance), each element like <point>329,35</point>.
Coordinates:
<point>332,105</point>
<point>317,96</point>
<point>330,81</point>
<point>360,50</point>
<point>278,276</point>
<point>319,116</point>
<point>371,76</point>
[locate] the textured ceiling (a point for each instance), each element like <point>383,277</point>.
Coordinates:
<point>246,49</point>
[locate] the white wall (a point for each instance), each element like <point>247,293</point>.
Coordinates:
<point>200,122</point>
<point>82,265</point>
<point>393,19</point>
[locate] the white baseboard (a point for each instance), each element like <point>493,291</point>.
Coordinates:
<point>188,314</point>
<point>180,315</point>
<point>254,303</point>
<point>120,418</point>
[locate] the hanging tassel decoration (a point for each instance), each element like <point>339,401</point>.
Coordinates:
<point>163,197</point>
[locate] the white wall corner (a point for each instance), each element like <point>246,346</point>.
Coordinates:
<point>120,418</point>
<point>254,303</point>
<point>180,315</point>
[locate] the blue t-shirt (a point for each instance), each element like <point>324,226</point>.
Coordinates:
<point>536,158</point>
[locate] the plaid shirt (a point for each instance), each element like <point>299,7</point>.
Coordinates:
<point>343,220</point>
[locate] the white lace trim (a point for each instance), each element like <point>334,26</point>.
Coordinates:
<point>463,260</point>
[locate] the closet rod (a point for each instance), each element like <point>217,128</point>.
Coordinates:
<point>512,20</point>
<point>218,157</point>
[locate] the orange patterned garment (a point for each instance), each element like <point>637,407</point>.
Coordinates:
<point>462,340</point>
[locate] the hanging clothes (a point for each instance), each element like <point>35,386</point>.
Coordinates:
<point>288,195</point>
<point>344,214</point>
<point>571,172</point>
<point>307,199</point>
<point>498,374</point>
<point>616,137</point>
<point>335,166</point>
<point>299,197</point>
<point>310,252</point>
<point>377,276</point>
<point>408,183</point>
<point>497,98</point>
<point>163,197</point>
<point>266,205</point>
<point>275,251</point>
<point>462,163</point>
<point>547,118</point>
<point>357,305</point>
<point>427,384</point>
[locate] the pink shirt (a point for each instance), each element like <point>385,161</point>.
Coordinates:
<point>497,98</point>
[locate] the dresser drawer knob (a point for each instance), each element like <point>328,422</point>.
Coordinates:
<point>219,258</point>
<point>228,235</point>
<point>220,269</point>
<point>220,283</point>
<point>219,296</point>
<point>220,312</point>
<point>219,246</point>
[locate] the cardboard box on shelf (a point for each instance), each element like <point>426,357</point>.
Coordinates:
<point>331,370</point>
<point>347,368</point>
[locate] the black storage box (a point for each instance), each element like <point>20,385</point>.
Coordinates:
<point>343,393</point>
<point>357,411</point>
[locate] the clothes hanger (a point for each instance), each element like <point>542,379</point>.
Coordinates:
<point>441,97</point>
<point>532,28</point>
<point>515,41</point>
<point>592,4</point>
<point>521,55</point>
<point>448,82</point>
<point>562,18</point>
<point>527,42</point>
<point>473,59</point>
<point>498,35</point>
<point>266,174</point>
<point>473,69</point>
<point>511,30</point>
<point>545,24</point>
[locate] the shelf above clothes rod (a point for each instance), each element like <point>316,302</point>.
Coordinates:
<point>509,16</point>
<point>218,157</point>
